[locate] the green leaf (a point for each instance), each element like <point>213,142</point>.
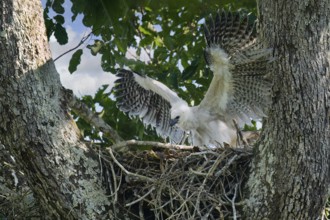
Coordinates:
<point>174,80</point>
<point>75,60</point>
<point>48,3</point>
<point>58,7</point>
<point>49,27</point>
<point>60,34</point>
<point>169,42</point>
<point>190,70</point>
<point>59,19</point>
<point>96,47</point>
<point>158,41</point>
<point>147,40</point>
<point>144,31</point>
<point>252,127</point>
<point>121,45</point>
<point>99,96</point>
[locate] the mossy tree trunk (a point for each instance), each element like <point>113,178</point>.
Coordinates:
<point>35,127</point>
<point>290,174</point>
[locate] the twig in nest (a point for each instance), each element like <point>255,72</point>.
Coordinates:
<point>224,168</point>
<point>197,172</point>
<point>215,165</point>
<point>240,134</point>
<point>141,197</point>
<point>141,214</point>
<point>128,173</point>
<point>123,145</point>
<point>209,174</point>
<point>232,201</point>
<point>116,185</point>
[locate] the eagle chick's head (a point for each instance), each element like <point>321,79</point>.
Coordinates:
<point>183,116</point>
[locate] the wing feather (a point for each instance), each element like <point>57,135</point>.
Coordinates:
<point>148,99</point>
<point>240,63</point>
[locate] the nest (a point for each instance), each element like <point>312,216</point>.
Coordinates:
<point>176,184</point>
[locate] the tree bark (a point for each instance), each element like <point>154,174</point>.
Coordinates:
<point>290,174</point>
<point>35,126</point>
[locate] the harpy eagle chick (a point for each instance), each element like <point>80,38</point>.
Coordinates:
<point>239,89</point>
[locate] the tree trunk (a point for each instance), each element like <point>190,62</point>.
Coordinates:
<point>290,174</point>
<point>35,126</point>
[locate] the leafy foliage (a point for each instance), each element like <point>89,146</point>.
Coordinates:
<point>55,25</point>
<point>162,39</point>
<point>75,60</point>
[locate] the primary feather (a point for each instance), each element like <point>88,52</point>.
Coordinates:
<point>148,99</point>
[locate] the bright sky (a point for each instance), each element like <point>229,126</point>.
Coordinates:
<point>89,75</point>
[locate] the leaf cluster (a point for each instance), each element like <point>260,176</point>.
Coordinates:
<point>54,24</point>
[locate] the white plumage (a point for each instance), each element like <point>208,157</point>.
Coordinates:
<point>239,89</point>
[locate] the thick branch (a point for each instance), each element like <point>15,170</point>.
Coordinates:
<point>84,112</point>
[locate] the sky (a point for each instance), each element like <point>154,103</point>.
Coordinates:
<point>89,75</point>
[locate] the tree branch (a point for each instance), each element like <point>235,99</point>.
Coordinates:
<point>123,145</point>
<point>84,112</point>
<point>83,39</point>
<point>128,173</point>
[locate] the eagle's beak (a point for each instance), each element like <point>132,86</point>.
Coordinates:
<point>174,121</point>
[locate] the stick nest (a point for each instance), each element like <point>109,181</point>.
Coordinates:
<point>176,184</point>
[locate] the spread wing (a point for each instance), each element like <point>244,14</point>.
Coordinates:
<point>240,88</point>
<point>148,99</point>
